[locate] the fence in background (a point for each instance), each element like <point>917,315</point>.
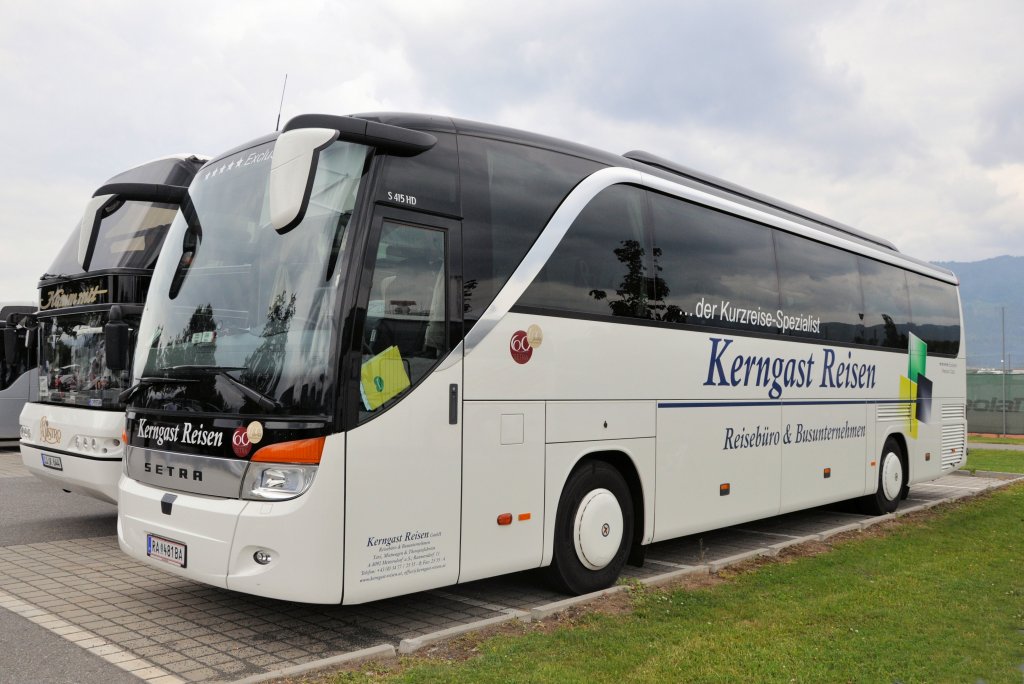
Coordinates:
<point>993,406</point>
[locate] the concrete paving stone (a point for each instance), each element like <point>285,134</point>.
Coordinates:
<point>150,651</point>
<point>244,652</point>
<point>180,645</point>
<point>119,657</point>
<point>265,661</point>
<point>133,664</point>
<point>198,651</point>
<point>165,679</point>
<point>148,673</point>
<point>186,665</point>
<point>156,631</point>
<point>84,639</point>
<point>168,658</point>
<point>215,659</point>
<point>240,632</point>
<point>134,640</point>
<point>201,674</point>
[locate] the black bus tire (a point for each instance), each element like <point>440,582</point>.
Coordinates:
<point>593,529</point>
<point>892,481</point>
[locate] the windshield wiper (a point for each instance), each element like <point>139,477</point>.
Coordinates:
<point>262,400</point>
<point>126,396</point>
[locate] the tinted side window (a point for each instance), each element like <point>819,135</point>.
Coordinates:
<point>509,192</point>
<point>820,286</point>
<point>934,313</point>
<point>714,269</point>
<point>602,265</point>
<point>886,304</point>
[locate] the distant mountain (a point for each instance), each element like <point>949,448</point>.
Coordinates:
<point>986,287</point>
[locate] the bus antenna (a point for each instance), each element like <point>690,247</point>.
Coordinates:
<point>277,126</point>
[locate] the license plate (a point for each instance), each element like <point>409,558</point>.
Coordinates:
<point>50,461</point>
<point>166,550</point>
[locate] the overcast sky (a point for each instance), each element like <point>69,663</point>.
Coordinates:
<point>905,119</point>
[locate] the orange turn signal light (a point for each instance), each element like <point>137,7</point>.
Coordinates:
<point>828,472</point>
<point>524,516</point>
<point>505,519</point>
<point>723,489</point>
<point>299,451</point>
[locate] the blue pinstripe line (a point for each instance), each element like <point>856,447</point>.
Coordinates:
<point>717,404</point>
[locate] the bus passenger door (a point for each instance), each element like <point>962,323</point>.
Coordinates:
<point>404,453</point>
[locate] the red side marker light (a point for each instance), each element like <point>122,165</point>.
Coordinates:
<point>505,519</point>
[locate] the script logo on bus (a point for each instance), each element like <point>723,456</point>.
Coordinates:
<point>48,434</point>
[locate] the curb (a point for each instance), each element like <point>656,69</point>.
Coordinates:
<point>407,646</point>
<point>721,564</point>
<point>372,653</point>
<point>668,577</point>
<point>541,612</point>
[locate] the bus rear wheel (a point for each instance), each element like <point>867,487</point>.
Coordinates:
<point>892,481</point>
<point>593,529</point>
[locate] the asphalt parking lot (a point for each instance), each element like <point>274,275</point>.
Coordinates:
<point>60,569</point>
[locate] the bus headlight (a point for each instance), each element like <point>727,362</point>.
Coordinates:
<point>276,481</point>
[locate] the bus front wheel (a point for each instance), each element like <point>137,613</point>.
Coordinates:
<point>593,529</point>
<point>892,480</point>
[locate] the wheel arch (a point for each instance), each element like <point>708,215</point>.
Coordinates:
<point>901,442</point>
<point>624,463</point>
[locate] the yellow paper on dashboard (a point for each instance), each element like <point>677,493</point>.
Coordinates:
<point>382,378</point>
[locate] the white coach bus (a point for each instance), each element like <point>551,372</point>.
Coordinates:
<point>17,361</point>
<point>385,353</point>
<point>72,432</point>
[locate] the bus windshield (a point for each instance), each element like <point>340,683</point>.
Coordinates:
<point>244,316</point>
<point>73,368</point>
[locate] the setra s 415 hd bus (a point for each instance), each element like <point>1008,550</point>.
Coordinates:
<point>384,353</point>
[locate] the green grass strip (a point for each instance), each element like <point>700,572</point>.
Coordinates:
<point>995,440</point>
<point>934,599</point>
<point>997,460</point>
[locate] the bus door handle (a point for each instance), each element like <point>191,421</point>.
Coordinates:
<point>453,404</point>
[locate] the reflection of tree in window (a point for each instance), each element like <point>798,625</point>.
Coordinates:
<point>636,289</point>
<point>263,366</point>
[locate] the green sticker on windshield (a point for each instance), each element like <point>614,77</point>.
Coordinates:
<point>378,382</point>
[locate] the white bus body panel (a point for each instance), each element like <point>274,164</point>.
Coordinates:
<point>12,402</point>
<point>403,499</point>
<point>221,535</point>
<point>670,369</point>
<point>502,472</point>
<point>92,472</point>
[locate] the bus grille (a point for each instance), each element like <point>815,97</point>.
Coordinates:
<point>953,438</point>
<point>894,411</point>
<point>953,412</point>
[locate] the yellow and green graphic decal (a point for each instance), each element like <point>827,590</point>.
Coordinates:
<point>915,387</point>
<point>382,378</point>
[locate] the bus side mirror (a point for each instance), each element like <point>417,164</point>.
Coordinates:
<point>115,339</point>
<point>291,173</point>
